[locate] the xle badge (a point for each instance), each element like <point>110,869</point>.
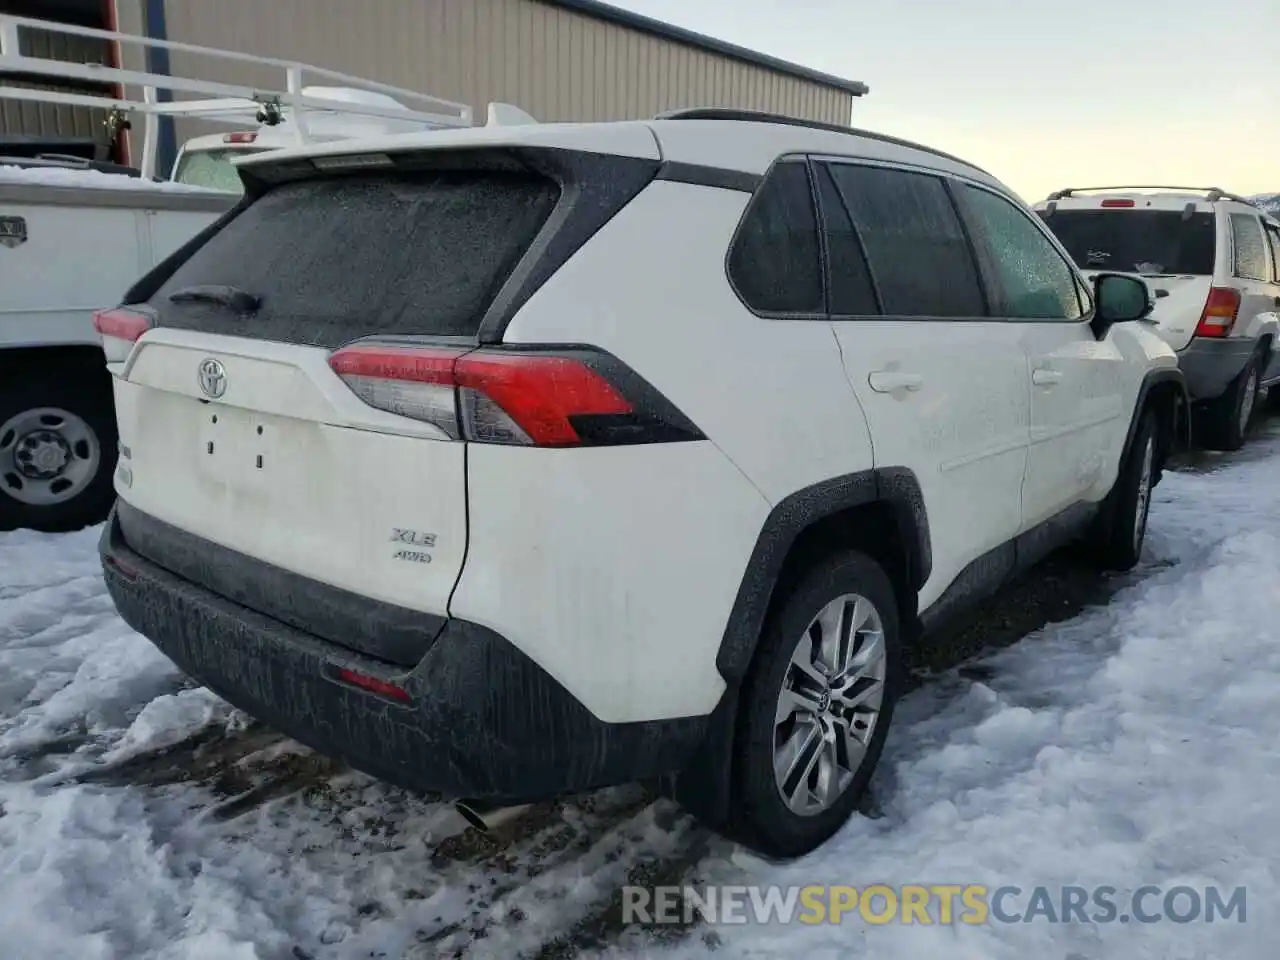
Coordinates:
<point>412,538</point>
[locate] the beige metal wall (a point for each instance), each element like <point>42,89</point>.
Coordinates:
<point>50,120</point>
<point>554,63</point>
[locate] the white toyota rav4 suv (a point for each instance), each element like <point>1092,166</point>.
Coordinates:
<point>516,461</point>
<point>1214,259</point>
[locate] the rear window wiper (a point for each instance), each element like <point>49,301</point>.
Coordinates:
<point>220,295</point>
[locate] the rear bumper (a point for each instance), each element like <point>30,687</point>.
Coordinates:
<point>485,721</point>
<point>1210,365</point>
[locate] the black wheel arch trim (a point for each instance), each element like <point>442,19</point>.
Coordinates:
<point>1182,422</point>
<point>703,785</point>
<point>895,486</point>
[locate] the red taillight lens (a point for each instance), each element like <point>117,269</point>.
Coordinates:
<point>119,329</point>
<point>415,382</point>
<point>1220,312</point>
<point>383,688</point>
<point>505,395</point>
<point>121,324</point>
<point>1112,204</point>
<point>483,396</point>
<point>240,136</point>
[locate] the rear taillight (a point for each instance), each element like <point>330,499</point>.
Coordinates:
<point>1114,204</point>
<point>527,398</point>
<point>1220,312</point>
<point>415,383</point>
<point>120,328</point>
<point>240,136</point>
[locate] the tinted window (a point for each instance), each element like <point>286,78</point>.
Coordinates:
<point>774,263</point>
<point>851,290</point>
<point>1150,242</point>
<point>1034,279</point>
<point>1273,235</point>
<point>342,258</point>
<point>915,245</point>
<point>1250,248</point>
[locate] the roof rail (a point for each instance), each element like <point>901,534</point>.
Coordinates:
<point>755,116</point>
<point>224,103</point>
<point>1211,193</point>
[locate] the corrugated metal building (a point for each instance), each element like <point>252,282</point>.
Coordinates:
<point>34,127</point>
<point>556,59</point>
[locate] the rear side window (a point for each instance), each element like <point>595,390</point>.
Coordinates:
<point>333,260</point>
<point>1151,242</point>
<point>774,262</point>
<point>1250,247</point>
<point>1273,237</point>
<point>1035,282</point>
<point>851,291</point>
<point>915,246</point>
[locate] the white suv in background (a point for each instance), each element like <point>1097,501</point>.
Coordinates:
<point>516,461</point>
<point>1214,259</point>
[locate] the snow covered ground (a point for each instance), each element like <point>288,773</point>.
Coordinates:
<point>1133,744</point>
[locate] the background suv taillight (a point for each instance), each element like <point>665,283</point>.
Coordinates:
<point>1220,312</point>
<point>544,398</point>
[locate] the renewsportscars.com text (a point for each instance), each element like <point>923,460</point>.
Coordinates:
<point>929,904</point>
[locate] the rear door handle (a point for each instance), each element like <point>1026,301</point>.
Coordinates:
<point>886,381</point>
<point>1045,377</point>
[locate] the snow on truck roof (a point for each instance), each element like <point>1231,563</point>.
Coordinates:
<point>68,176</point>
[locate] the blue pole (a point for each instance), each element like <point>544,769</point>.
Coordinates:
<point>158,62</point>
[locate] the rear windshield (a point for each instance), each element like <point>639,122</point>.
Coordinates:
<point>333,260</point>
<point>211,169</point>
<point>1137,241</point>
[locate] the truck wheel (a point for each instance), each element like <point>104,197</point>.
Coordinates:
<point>57,449</point>
<point>816,707</point>
<point>1118,540</point>
<point>1227,419</point>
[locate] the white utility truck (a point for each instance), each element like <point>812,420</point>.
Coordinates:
<point>74,238</point>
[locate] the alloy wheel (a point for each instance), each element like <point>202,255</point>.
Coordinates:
<point>829,704</point>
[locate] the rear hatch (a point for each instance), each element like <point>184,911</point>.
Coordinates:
<point>237,429</point>
<point>1175,250</point>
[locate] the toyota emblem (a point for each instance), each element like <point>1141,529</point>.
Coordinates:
<point>213,378</point>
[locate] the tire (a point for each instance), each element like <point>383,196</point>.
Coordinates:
<point>763,819</point>
<point>1118,544</point>
<point>1227,419</point>
<point>57,448</point>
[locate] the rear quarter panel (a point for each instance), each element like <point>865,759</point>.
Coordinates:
<point>612,568</point>
<point>617,569</point>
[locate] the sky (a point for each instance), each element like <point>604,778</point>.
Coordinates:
<point>1042,94</point>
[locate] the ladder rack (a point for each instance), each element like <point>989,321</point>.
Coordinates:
<point>286,101</point>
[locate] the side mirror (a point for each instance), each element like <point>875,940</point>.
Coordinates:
<point>1120,298</point>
